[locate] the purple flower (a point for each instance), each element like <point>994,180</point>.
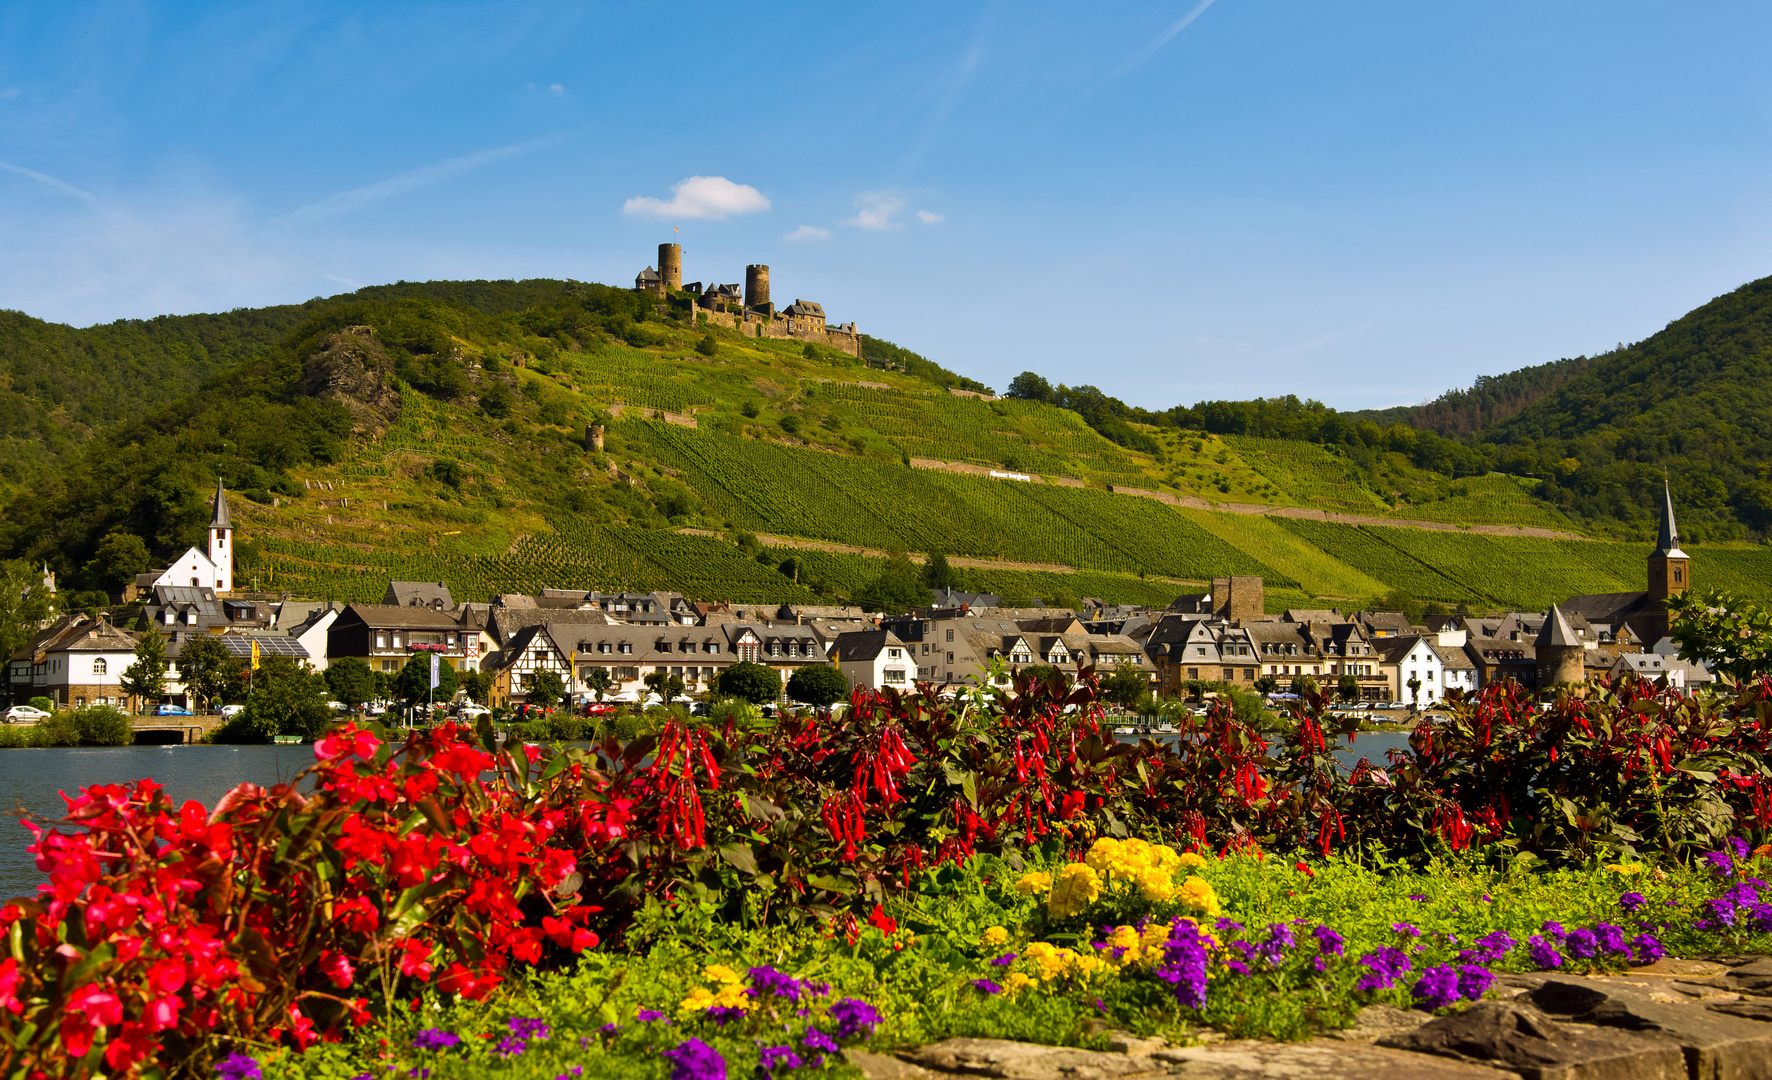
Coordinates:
<point>1236,967</point>
<point>576,1070</point>
<point>768,981</point>
<point>524,1027</point>
<point>1474,981</point>
<point>1383,968</point>
<point>723,1014</point>
<point>696,1060</point>
<point>435,1039</point>
<point>1611,939</point>
<point>1419,898</point>
<point>1649,948</point>
<point>815,1039</point>
<point>1184,963</point>
<point>1544,953</point>
<point>1228,926</point>
<point>1581,944</point>
<point>1554,929</point>
<point>853,1016</point>
<point>771,1058</point>
<point>238,1067</point>
<point>1631,901</point>
<point>1760,916</point>
<point>987,986</point>
<point>1738,847</point>
<point>509,1046</point>
<point>648,1016</point>
<point>1719,915</point>
<point>1437,988</point>
<point>1328,941</point>
<point>1005,960</point>
<point>1491,948</point>
<point>1743,894</point>
<point>1720,863</point>
<point>419,1074</point>
<point>1406,930</point>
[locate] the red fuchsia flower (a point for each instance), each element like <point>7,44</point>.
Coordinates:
<point>336,967</point>
<point>886,923</point>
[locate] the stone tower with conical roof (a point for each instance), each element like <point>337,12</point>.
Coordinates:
<point>221,541</point>
<point>1561,655</point>
<point>1670,571</point>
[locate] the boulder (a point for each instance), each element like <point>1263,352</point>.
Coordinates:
<point>1509,1035</point>
<point>351,369</point>
<point>1717,1045</point>
<point>1319,1059</point>
<point>1028,1061</point>
<point>1374,1022</point>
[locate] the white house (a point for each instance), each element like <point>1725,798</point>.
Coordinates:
<point>1413,658</point>
<point>213,569</point>
<point>1680,674</point>
<point>76,662</point>
<point>874,659</point>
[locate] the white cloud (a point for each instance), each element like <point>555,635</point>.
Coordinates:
<point>808,232</point>
<point>929,217</point>
<point>60,185</point>
<point>346,202</point>
<point>877,211</point>
<point>556,88</point>
<point>712,197</point>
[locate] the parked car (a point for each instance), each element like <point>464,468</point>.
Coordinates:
<point>601,708</point>
<point>230,711</point>
<point>172,710</point>
<point>25,714</point>
<point>474,712</point>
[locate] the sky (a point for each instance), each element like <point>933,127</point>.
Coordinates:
<point>1362,203</point>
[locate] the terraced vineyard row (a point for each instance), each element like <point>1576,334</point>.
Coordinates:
<point>1316,571</point>
<point>1487,500</point>
<point>850,500</point>
<point>1306,472</point>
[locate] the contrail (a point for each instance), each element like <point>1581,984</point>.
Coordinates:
<point>60,185</point>
<point>1157,42</point>
<point>346,202</point>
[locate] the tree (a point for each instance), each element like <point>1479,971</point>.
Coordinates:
<point>120,556</point>
<point>1267,684</point>
<point>350,681</point>
<point>288,698</point>
<point>667,686</point>
<point>1029,387</point>
<point>496,399</point>
<point>206,669</point>
<point>414,681</point>
<point>145,680</point>
<point>755,683</point>
<point>707,346</point>
<point>1727,634</point>
<point>598,679</point>
<point>819,684</point>
<point>1348,687</point>
<point>898,589</point>
<point>24,604</point>
<point>1415,691</point>
<point>1124,687</point>
<point>545,689</point>
<point>477,685</point>
<point>937,574</point>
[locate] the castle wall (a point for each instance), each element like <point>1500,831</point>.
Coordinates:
<point>751,324</point>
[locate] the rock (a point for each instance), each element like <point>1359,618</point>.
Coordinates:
<point>1124,1042</point>
<point>351,368</point>
<point>1672,966</point>
<point>1518,1037</point>
<point>1028,1061</point>
<point>882,1067</point>
<point>1753,1009</point>
<point>1718,1046</point>
<point>1376,1021</point>
<point>1754,976</point>
<point>1319,1059</point>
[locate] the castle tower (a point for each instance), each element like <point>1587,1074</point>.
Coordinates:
<point>670,265</point>
<point>1560,652</point>
<point>221,541</point>
<point>756,287</point>
<point>1669,572</point>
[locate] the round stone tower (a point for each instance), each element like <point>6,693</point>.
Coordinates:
<point>1559,651</point>
<point>756,286</point>
<point>670,265</point>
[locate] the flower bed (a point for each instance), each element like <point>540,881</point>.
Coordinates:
<point>437,869</point>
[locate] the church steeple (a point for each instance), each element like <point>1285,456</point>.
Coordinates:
<point>219,519</point>
<point>1669,569</point>
<point>221,546</point>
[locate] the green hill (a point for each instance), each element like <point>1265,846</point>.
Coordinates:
<point>448,441</point>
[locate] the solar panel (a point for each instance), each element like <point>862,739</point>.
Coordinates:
<point>241,645</point>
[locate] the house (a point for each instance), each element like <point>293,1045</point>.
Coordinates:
<point>434,595</point>
<point>386,637</point>
<point>76,662</point>
<point>1349,655</point>
<point>1668,574</point>
<point>874,660</point>
<point>308,623</point>
<point>1497,658</point>
<point>1680,674</point>
<point>1413,668</point>
<point>1457,670</point>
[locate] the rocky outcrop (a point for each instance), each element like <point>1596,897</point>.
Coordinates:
<point>351,368</point>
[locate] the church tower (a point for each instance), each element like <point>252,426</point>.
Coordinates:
<point>221,542</point>
<point>1669,571</point>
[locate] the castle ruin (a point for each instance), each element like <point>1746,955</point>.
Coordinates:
<point>748,310</point>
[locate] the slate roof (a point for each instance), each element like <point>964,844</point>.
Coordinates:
<point>418,594</point>
<point>219,519</point>
<point>1557,631</point>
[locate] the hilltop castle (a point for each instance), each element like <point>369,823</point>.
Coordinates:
<point>750,312</point>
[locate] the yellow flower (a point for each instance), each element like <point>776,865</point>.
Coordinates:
<point>1626,868</point>
<point>699,999</point>
<point>1197,893</point>
<point>1156,885</point>
<point>733,996</point>
<point>721,973</point>
<point>1017,980</point>
<point>1164,858</point>
<point>1076,887</point>
<point>1156,935</point>
<point>1033,883</point>
<point>1125,939</point>
<point>995,936</point>
<point>1103,853</point>
<point>1193,860</point>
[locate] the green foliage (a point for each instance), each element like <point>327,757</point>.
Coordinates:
<point>707,346</point>
<point>1726,634</point>
<point>414,681</point>
<point>898,589</point>
<point>101,725</point>
<point>350,681</point>
<point>1125,686</point>
<point>818,684</point>
<point>747,681</point>
<point>495,399</point>
<point>24,603</point>
<point>668,687</point>
<point>120,556</point>
<point>598,680</point>
<point>207,670</point>
<point>477,685</point>
<point>544,688</point>
<point>145,679</point>
<point>288,698</point>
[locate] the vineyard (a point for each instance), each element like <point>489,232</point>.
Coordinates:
<point>1308,473</point>
<point>1487,500</point>
<point>1316,571</point>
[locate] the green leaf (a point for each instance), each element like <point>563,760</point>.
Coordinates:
<point>740,857</point>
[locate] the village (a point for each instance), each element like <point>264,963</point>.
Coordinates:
<point>623,646</point>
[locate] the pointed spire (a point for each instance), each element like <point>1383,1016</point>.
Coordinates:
<point>1667,540</point>
<point>1557,630</point>
<point>220,520</point>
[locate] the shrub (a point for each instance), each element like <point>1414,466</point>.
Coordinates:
<point>101,725</point>
<point>43,703</point>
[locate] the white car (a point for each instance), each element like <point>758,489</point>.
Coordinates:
<point>474,712</point>
<point>228,712</point>
<point>25,714</point>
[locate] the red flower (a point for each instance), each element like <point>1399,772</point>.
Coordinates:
<point>336,967</point>
<point>885,922</point>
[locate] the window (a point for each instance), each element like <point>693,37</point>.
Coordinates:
<point>98,666</point>
<point>625,649</point>
<point>713,646</point>
<point>950,658</point>
<point>1193,673</point>
<point>602,646</point>
<point>950,635</point>
<point>775,648</point>
<point>893,675</point>
<point>894,654</point>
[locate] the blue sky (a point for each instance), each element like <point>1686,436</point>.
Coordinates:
<point>1362,203</point>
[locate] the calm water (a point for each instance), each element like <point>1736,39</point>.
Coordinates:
<point>31,779</point>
